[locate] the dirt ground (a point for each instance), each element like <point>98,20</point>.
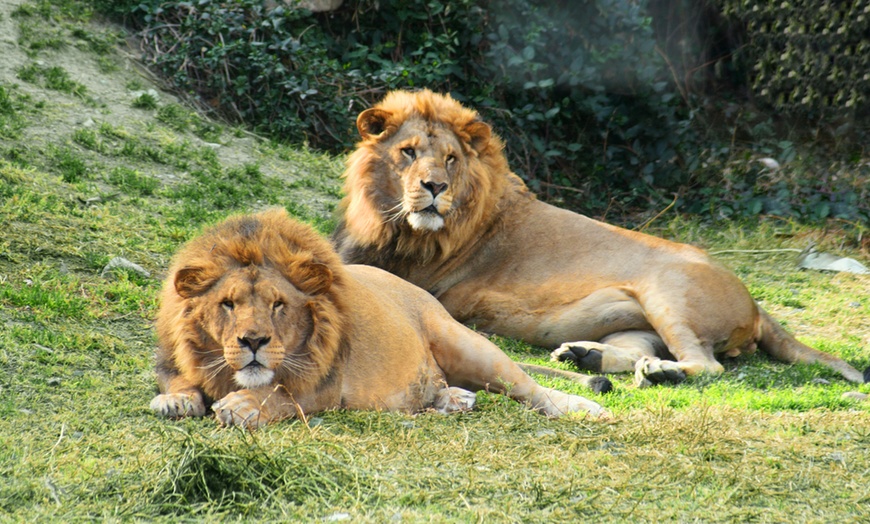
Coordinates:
<point>109,98</point>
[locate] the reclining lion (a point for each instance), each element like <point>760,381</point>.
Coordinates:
<point>430,198</point>
<point>259,315</point>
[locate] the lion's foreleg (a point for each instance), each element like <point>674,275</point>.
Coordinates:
<point>253,408</point>
<point>472,362</point>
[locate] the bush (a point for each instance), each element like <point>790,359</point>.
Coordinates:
<point>576,88</point>
<point>593,111</point>
<point>808,58</point>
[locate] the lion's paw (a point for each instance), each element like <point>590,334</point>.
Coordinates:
<point>554,403</point>
<point>177,405</point>
<point>585,355</point>
<point>240,408</point>
<point>650,371</point>
<point>453,400</point>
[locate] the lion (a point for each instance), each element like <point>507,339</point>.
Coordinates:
<point>259,316</point>
<point>429,196</point>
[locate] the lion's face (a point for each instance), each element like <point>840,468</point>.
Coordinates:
<point>426,176</point>
<point>423,164</point>
<point>260,320</point>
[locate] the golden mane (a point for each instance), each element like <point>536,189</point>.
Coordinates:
<point>486,180</point>
<point>270,240</point>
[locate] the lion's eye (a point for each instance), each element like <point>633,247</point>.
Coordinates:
<point>228,305</point>
<point>409,152</point>
<point>277,305</point>
<point>450,159</point>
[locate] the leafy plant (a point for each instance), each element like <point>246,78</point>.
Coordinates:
<point>603,103</point>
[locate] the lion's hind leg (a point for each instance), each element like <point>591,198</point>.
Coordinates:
<point>616,353</point>
<point>645,354</point>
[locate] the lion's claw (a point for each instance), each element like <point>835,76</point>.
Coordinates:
<point>649,371</point>
<point>177,405</point>
<point>239,409</point>
<point>453,400</point>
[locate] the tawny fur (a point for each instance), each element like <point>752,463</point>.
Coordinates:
<point>508,264</point>
<point>259,316</point>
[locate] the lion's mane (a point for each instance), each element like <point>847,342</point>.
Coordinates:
<point>485,181</point>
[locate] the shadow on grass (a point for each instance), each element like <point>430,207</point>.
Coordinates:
<point>240,474</point>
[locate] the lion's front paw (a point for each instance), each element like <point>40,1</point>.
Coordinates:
<point>240,408</point>
<point>554,403</point>
<point>453,400</point>
<point>177,405</point>
<point>650,371</point>
<point>585,355</point>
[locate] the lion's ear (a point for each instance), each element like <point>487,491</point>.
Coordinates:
<point>479,133</point>
<point>372,122</point>
<point>192,281</point>
<point>316,278</point>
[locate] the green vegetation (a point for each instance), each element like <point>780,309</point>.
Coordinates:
<point>81,185</point>
<point>604,104</point>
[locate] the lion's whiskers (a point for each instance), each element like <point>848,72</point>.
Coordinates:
<point>214,368</point>
<point>297,364</point>
<point>395,213</point>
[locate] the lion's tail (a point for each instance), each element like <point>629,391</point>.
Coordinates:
<point>780,344</point>
<point>596,383</point>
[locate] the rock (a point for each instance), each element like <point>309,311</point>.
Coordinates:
<point>315,6</point>
<point>855,395</point>
<point>123,263</point>
<point>812,259</point>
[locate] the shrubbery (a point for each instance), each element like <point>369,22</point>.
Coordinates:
<point>584,92</point>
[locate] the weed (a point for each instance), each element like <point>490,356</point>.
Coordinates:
<point>145,101</point>
<point>175,117</point>
<point>110,131</point>
<point>71,167</point>
<point>58,79</point>
<point>30,73</point>
<point>89,139</point>
<point>106,64</point>
<point>11,121</point>
<point>37,37</point>
<point>132,182</point>
<point>54,78</point>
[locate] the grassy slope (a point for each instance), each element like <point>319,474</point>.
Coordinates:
<point>85,176</point>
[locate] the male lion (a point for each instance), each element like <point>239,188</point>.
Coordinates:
<point>430,198</point>
<point>260,315</point>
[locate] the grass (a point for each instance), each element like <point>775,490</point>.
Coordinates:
<point>765,442</point>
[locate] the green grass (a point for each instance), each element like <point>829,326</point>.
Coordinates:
<point>145,101</point>
<point>53,77</point>
<point>764,442</point>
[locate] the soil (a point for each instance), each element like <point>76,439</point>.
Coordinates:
<point>109,98</point>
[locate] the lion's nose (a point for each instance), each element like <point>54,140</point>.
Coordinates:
<point>435,188</point>
<point>254,343</point>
